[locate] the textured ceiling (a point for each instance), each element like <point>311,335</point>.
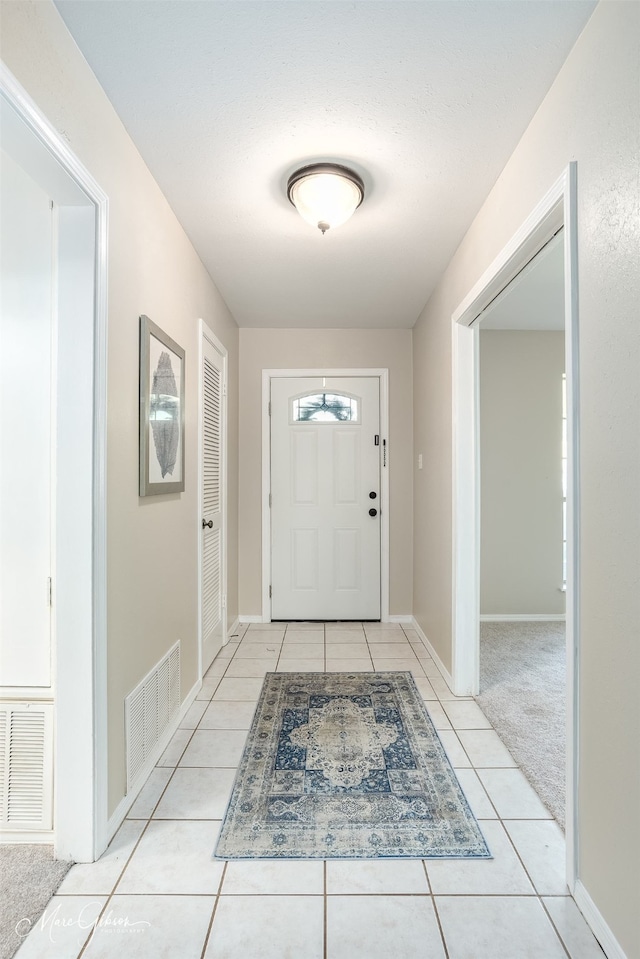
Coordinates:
<point>426,100</point>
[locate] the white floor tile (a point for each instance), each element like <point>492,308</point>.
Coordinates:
<point>502,875</point>
<point>377,927</point>
<point>251,668</point>
<point>301,666</point>
<point>299,625</point>
<point>215,747</point>
<point>99,878</point>
<point>210,685</point>
<point>216,669</point>
<point>337,636</point>
<point>383,627</point>
<point>348,651</point>
<point>152,927</point>
<point>481,805</point>
<point>150,793</point>
<point>176,747</point>
<point>173,857</point>
<point>485,748</point>
<point>194,714</point>
<point>438,716</point>
<point>398,665</point>
<point>453,747</point>
<point>307,635</point>
<point>302,651</point>
<point>257,650</point>
<point>382,637</point>
<point>512,795</point>
<point>267,927</point>
<point>196,794</point>
<point>348,665</point>
<point>231,715</point>
<point>377,876</point>
<point>466,715</point>
<point>235,690</point>
<point>425,688</point>
<point>267,627</point>
<point>265,877</point>
<point>575,933</point>
<point>401,650</point>
<point>62,930</point>
<point>540,845</point>
<point>497,928</point>
<point>346,626</point>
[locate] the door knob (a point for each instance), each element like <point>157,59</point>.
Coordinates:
<point>373,512</point>
<point>209,524</point>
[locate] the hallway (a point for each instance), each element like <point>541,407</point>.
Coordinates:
<point>158,893</point>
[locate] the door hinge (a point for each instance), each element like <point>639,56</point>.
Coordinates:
<point>224,388</point>
<point>49,591</point>
<point>224,602</point>
<point>270,500</point>
<point>269,407</point>
<point>270,592</point>
<point>376,439</point>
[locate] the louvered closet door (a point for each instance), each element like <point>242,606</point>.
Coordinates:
<point>212,585</point>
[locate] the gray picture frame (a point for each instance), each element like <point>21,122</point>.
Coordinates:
<point>162,375</point>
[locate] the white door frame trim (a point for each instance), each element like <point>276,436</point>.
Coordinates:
<point>558,208</point>
<point>267,375</point>
<point>80,817</point>
<point>205,332</point>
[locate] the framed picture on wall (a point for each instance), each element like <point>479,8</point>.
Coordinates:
<point>161,411</point>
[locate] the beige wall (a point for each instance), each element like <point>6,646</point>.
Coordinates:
<point>590,115</point>
<point>521,479</point>
<point>329,349</point>
<point>153,269</point>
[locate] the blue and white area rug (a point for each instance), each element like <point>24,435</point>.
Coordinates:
<point>346,766</point>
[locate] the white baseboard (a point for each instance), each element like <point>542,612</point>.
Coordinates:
<point>232,629</point>
<point>610,945</point>
<point>522,617</point>
<point>46,836</point>
<point>405,618</point>
<point>446,675</point>
<point>125,804</point>
<point>252,619</point>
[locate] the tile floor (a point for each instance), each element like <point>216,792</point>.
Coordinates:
<point>157,892</point>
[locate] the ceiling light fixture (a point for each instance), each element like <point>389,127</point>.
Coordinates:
<point>325,194</point>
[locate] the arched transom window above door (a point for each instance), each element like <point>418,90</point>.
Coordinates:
<point>325,407</point>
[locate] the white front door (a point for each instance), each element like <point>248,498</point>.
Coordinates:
<point>325,489</point>
<point>212,586</point>
<point>26,331</point>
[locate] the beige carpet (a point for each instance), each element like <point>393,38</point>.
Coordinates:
<point>523,693</point>
<point>29,876</point>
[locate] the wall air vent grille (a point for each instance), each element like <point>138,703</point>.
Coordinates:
<point>149,710</point>
<point>26,767</point>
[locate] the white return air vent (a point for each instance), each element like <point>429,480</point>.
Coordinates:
<point>26,767</point>
<point>149,710</point>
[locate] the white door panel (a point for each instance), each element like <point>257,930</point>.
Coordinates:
<point>25,429</point>
<point>212,586</point>
<point>325,543</point>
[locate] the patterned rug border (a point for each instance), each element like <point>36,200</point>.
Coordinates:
<point>327,857</point>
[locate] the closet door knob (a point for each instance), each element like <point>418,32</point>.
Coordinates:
<point>209,524</point>
<point>373,512</point>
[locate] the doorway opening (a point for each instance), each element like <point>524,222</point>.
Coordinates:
<point>555,211</point>
<point>75,323</point>
<point>325,529</point>
<point>521,378</point>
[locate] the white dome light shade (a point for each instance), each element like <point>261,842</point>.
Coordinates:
<point>325,194</point>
